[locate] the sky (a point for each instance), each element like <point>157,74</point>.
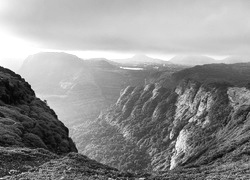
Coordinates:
<point>121,28</point>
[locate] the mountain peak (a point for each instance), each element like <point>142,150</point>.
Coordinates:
<point>49,57</point>
<point>236,59</point>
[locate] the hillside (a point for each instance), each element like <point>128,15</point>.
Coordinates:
<point>26,121</point>
<point>34,144</point>
<point>235,74</point>
<point>194,129</point>
<point>24,163</point>
<point>236,59</point>
<point>195,125</point>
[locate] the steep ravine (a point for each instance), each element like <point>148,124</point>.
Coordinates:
<point>191,125</point>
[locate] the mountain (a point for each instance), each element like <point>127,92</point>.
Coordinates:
<point>192,60</point>
<point>28,121</point>
<point>62,78</point>
<point>237,74</point>
<point>100,63</point>
<point>34,144</point>
<point>201,60</point>
<point>195,125</point>
<point>140,59</point>
<point>49,68</point>
<point>236,59</point>
<point>77,89</point>
<point>234,74</point>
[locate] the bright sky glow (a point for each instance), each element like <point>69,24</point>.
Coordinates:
<point>95,29</point>
<point>12,47</point>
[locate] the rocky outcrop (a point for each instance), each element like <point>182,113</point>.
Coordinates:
<point>26,121</point>
<point>193,124</point>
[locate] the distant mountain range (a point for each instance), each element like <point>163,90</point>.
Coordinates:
<point>193,60</point>
<point>236,59</point>
<point>195,122</point>
<point>88,86</point>
<point>77,89</point>
<point>140,59</point>
<point>189,60</point>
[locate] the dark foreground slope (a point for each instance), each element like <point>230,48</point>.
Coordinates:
<point>24,163</point>
<point>26,121</point>
<point>199,127</point>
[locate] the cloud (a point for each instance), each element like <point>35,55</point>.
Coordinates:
<point>162,26</point>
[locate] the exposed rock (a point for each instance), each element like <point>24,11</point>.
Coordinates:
<point>194,124</point>
<point>238,97</point>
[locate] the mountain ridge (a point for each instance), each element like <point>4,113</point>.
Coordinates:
<point>192,60</point>
<point>198,127</point>
<point>172,127</point>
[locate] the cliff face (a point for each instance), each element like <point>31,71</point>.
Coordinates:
<point>191,125</point>
<point>26,121</point>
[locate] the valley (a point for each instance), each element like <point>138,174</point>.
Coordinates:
<point>125,90</point>
<point>173,121</point>
<point>79,89</point>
